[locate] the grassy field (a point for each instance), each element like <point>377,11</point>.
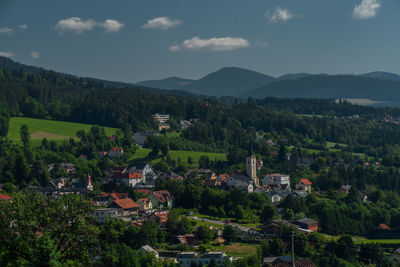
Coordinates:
<point>183,155</point>
<point>51,130</point>
<point>238,249</point>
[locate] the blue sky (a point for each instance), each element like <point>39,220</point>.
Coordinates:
<point>133,40</point>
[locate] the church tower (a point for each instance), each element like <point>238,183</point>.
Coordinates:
<point>89,183</point>
<point>251,167</point>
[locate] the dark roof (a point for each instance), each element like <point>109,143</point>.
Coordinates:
<point>307,221</point>
<point>298,263</point>
<point>138,165</point>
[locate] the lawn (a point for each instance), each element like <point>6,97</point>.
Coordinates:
<point>238,249</point>
<point>51,130</point>
<point>143,153</point>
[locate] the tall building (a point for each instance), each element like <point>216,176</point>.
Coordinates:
<point>251,167</point>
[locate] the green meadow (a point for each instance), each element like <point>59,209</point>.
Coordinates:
<point>143,153</point>
<point>51,130</point>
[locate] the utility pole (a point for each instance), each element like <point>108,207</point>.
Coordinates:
<point>293,250</point>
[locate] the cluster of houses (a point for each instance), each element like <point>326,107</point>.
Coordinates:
<point>154,206</point>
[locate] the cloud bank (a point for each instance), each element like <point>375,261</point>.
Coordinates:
<point>279,15</point>
<point>367,9</point>
<point>35,55</point>
<point>78,25</point>
<point>6,30</point>
<point>212,44</point>
<point>6,54</point>
<point>162,23</point>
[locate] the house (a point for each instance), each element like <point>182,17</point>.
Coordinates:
<point>126,206</point>
<point>161,199</point>
<point>304,185</point>
<point>141,137</point>
<point>101,154</point>
<point>58,182</point>
<point>259,164</point>
<point>147,249</point>
<point>282,180</point>
<point>159,217</point>
<point>362,197</point>
<point>69,168</point>
<point>286,261</point>
<point>163,126</point>
<point>240,181</point>
<point>101,215</point>
<point>115,152</point>
<point>201,173</point>
<point>141,167</point>
<point>395,256</point>
<point>144,204</point>
<point>130,179</point>
<point>116,196</point>
<point>5,197</point>
<point>161,118</point>
<point>186,259</point>
<point>383,226</point>
<point>173,176</point>
<point>345,189</point>
<point>308,224</point>
<point>184,124</point>
<point>191,240</point>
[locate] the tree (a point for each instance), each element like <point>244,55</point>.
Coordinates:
<point>204,234</point>
<point>288,214</point>
<point>204,162</point>
<point>277,247</point>
<point>25,136</point>
<point>229,234</point>
<point>178,224</point>
<point>268,213</point>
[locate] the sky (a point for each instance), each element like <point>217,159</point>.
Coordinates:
<point>134,40</point>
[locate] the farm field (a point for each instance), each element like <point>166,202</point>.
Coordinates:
<point>51,130</point>
<point>143,153</point>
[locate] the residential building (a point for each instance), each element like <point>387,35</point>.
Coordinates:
<point>147,249</point>
<point>144,204</point>
<point>186,258</point>
<point>282,180</point>
<point>161,199</point>
<point>5,197</point>
<point>69,168</point>
<point>240,181</point>
<point>163,126</point>
<point>126,206</point>
<point>304,185</point>
<point>141,137</point>
<point>115,152</point>
<point>159,217</point>
<point>161,118</point>
<point>184,124</point>
<point>308,224</point>
<point>101,215</point>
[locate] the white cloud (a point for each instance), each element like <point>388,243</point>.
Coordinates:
<point>23,26</point>
<point>212,44</point>
<point>75,24</point>
<point>261,44</point>
<point>6,30</point>
<point>35,54</point>
<point>111,25</point>
<point>78,25</point>
<point>163,23</point>
<point>366,9</point>
<point>6,54</point>
<point>279,15</point>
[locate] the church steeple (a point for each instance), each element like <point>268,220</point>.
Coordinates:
<point>89,182</point>
<point>251,165</point>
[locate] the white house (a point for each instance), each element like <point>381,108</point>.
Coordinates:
<point>283,180</point>
<point>102,214</point>
<point>186,258</point>
<point>141,137</point>
<point>161,118</point>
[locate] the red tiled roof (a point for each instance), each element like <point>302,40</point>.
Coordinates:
<point>384,226</point>
<point>126,203</point>
<point>305,181</point>
<point>5,197</point>
<point>119,195</point>
<point>116,149</point>
<point>144,200</point>
<point>224,177</point>
<point>298,263</point>
<point>104,194</point>
<point>162,195</point>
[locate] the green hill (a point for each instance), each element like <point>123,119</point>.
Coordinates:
<point>52,130</point>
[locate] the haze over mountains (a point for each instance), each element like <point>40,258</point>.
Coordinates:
<point>383,87</point>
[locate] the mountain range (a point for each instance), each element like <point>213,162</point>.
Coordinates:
<point>382,87</point>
